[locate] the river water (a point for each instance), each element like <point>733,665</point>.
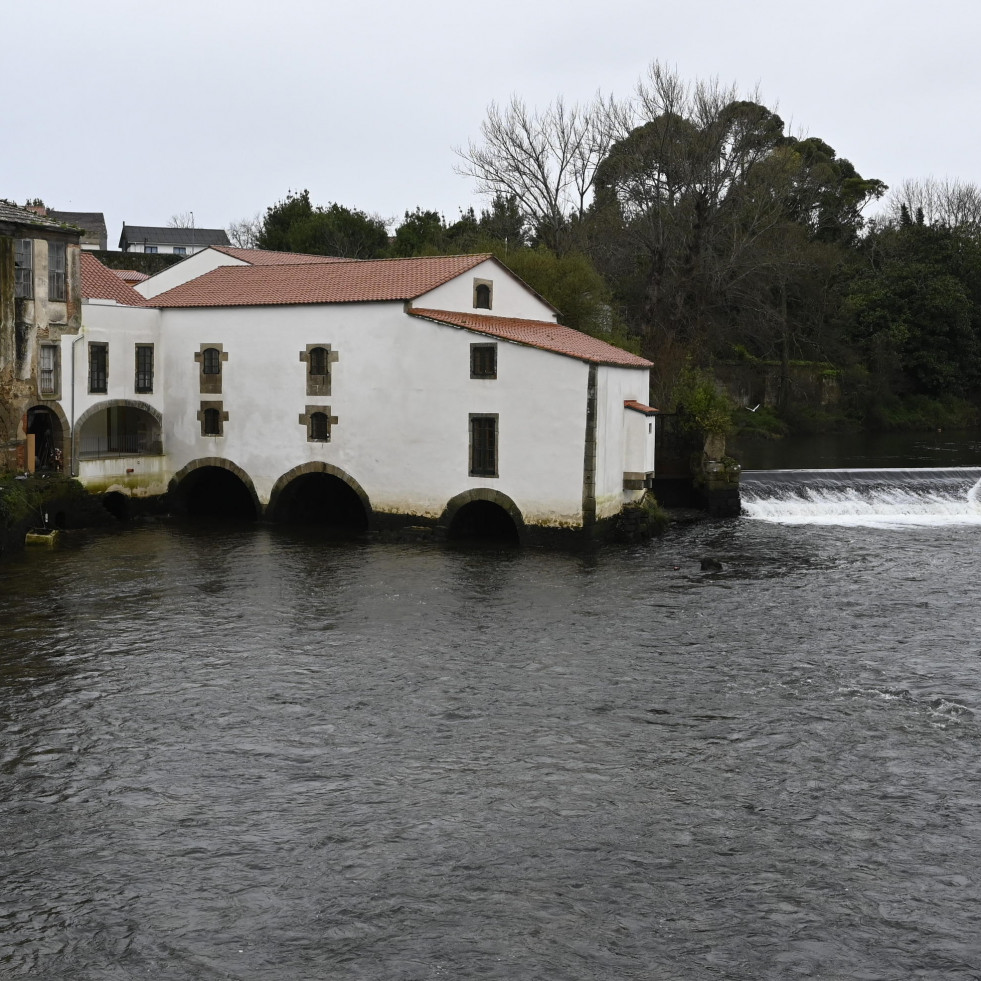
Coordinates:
<point>246,753</point>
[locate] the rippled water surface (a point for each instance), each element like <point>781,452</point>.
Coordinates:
<point>242,754</point>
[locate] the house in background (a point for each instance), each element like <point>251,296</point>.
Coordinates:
<point>91,223</point>
<point>40,315</point>
<point>169,241</point>
<point>433,393</point>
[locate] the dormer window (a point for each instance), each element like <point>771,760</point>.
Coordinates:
<point>483,294</point>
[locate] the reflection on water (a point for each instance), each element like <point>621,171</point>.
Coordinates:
<point>252,754</point>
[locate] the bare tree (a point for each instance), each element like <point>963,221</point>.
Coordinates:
<point>543,160</point>
<point>182,219</point>
<point>953,203</point>
<point>245,233</point>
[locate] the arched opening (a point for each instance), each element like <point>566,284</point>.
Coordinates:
<point>215,493</point>
<point>46,429</point>
<point>118,429</point>
<point>116,504</point>
<point>483,521</point>
<point>321,499</point>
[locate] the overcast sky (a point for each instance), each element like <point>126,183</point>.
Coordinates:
<point>144,110</point>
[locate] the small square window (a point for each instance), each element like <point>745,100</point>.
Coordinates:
<point>150,249</point>
<point>483,360</point>
<point>180,250</point>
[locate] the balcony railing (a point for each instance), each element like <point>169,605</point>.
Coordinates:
<point>93,447</point>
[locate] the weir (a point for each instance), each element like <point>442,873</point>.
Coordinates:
<point>872,498</point>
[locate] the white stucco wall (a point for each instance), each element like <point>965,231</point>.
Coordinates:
<point>402,394</point>
<point>616,434</point>
<point>510,298</point>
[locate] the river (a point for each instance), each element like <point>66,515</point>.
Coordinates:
<point>248,753</point>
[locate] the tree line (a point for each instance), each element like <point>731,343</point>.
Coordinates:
<point>688,224</point>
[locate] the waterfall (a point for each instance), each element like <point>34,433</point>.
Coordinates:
<point>873,498</point>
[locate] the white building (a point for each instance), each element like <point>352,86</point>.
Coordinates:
<point>169,241</point>
<point>432,392</point>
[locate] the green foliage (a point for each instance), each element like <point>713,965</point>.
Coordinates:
<point>295,225</point>
<point>704,408</point>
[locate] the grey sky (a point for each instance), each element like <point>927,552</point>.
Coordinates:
<point>216,107</point>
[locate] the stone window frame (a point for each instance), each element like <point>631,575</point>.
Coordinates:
<point>221,418</point>
<point>319,384</point>
<point>98,372</point>
<point>210,383</point>
<point>477,353</point>
<point>483,467</point>
<point>53,390</point>
<point>57,271</point>
<point>143,374</point>
<point>306,420</point>
<point>24,268</point>
<point>478,285</point>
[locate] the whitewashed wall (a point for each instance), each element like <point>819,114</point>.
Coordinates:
<point>511,298</point>
<point>402,394</point>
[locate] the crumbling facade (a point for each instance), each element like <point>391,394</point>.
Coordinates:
<point>40,304</point>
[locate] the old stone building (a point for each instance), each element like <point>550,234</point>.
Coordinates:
<point>40,304</point>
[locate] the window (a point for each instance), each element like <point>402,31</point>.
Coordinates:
<point>150,249</point>
<point>483,446</point>
<point>211,422</point>
<point>212,418</point>
<point>211,357</point>
<point>319,427</point>
<point>98,368</point>
<point>211,361</point>
<point>48,369</point>
<point>180,250</point>
<point>318,422</point>
<point>483,294</point>
<point>57,289</point>
<point>483,360</point>
<point>24,269</point>
<point>144,368</point>
<point>318,359</point>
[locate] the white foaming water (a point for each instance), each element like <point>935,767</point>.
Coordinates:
<point>867,498</point>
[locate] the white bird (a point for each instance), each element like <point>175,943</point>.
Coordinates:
<point>755,407</point>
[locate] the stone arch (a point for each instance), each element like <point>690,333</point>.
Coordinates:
<point>173,488</point>
<point>93,410</point>
<point>488,494</point>
<point>317,466</point>
<point>64,443</point>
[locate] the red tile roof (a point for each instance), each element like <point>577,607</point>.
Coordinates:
<point>263,257</point>
<point>130,275</point>
<point>100,283</point>
<point>541,334</point>
<point>347,281</point>
<point>648,410</point>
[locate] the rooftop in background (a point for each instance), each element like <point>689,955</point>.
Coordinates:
<point>141,236</point>
<point>542,334</point>
<point>92,223</point>
<point>344,281</point>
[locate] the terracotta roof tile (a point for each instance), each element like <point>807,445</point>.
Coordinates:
<point>264,257</point>
<point>541,334</point>
<point>648,410</point>
<point>347,281</point>
<point>130,275</point>
<point>100,283</point>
